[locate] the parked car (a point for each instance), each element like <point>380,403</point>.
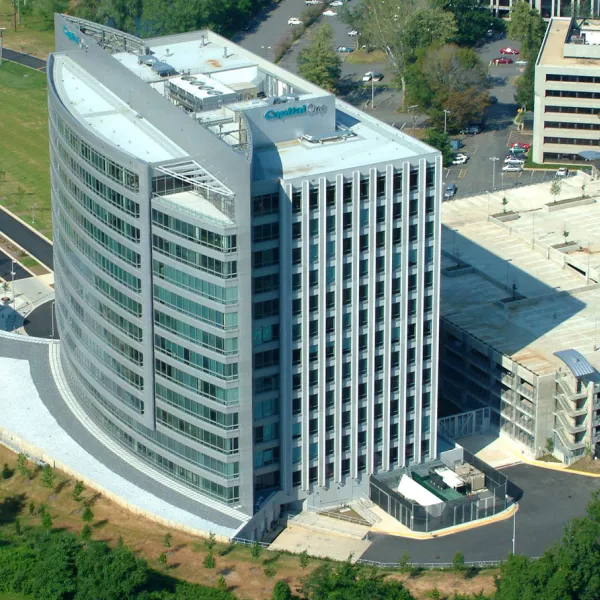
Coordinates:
<point>313,2</point>
<point>518,151</point>
<point>502,61</point>
<point>562,172</point>
<point>344,49</point>
<point>493,100</point>
<point>471,130</point>
<point>294,21</point>
<point>353,33</point>
<point>514,160</point>
<point>370,75</point>
<point>523,145</point>
<point>509,51</point>
<point>450,191</point>
<point>459,159</point>
<point>330,13</point>
<point>336,3</point>
<point>512,168</point>
<point>456,145</point>
<point>521,62</point>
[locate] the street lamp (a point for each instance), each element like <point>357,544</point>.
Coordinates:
<point>13,273</point>
<point>514,536</point>
<point>412,109</point>
<point>1,30</point>
<point>52,310</point>
<point>494,159</point>
<point>446,113</point>
<point>33,206</point>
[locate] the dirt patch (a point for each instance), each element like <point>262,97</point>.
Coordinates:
<point>586,464</point>
<point>244,574</point>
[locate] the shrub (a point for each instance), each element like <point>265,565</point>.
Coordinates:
<point>282,591</point>
<point>78,489</point>
<point>210,541</point>
<point>88,515</point>
<point>255,549</point>
<point>22,464</point>
<point>270,571</point>
<point>167,539</point>
<point>209,561</point>
<point>6,472</point>
<point>48,476</point>
<point>162,559</point>
<point>222,584</point>
<point>304,559</point>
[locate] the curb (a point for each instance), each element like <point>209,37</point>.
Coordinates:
<point>502,516</point>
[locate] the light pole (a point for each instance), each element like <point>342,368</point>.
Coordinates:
<point>412,109</point>
<point>372,93</point>
<point>13,273</point>
<point>446,113</point>
<point>514,537</point>
<point>494,159</point>
<point>1,30</point>
<point>52,309</point>
<point>33,206</point>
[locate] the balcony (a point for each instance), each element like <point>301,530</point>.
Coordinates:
<point>568,443</point>
<point>527,391</point>
<point>508,380</point>
<point>568,392</point>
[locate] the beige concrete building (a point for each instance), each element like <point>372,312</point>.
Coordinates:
<point>567,91</point>
<point>520,308</point>
<point>550,8</point>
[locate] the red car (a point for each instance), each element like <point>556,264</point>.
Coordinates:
<point>509,51</point>
<point>523,145</point>
<point>502,61</point>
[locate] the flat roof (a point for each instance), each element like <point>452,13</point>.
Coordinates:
<point>552,306</point>
<point>110,117</point>
<point>551,53</point>
<point>373,142</point>
<point>196,203</point>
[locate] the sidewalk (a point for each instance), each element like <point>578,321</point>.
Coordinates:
<point>29,294</point>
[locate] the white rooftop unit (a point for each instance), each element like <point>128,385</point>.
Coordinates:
<point>199,92</point>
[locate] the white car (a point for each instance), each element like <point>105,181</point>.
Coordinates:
<point>370,75</point>
<point>521,62</point>
<point>313,2</point>
<point>460,159</point>
<point>294,21</point>
<point>353,33</point>
<point>336,3</point>
<point>562,172</point>
<point>330,13</point>
<point>512,168</point>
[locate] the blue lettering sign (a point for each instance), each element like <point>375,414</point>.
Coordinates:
<point>74,38</point>
<point>295,111</point>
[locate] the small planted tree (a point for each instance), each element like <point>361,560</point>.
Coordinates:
<point>458,562</point>
<point>78,489</point>
<point>555,188</point>
<point>222,584</point>
<point>47,522</point>
<point>304,559</point>
<point>549,445</point>
<point>88,515</point>
<point>583,190</point>
<point>86,532</point>
<point>504,203</point>
<point>22,464</point>
<point>48,476</point>
<point>209,561</point>
<point>282,591</point>
<point>565,234</point>
<point>5,288</point>
<point>167,540</point>
<point>255,549</point>
<point>210,541</point>
<point>404,561</point>
<point>162,559</point>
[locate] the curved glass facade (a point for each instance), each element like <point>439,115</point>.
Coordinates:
<point>154,364</point>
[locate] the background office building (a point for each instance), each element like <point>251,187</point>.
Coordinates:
<point>246,268</point>
<point>567,92</point>
<point>550,8</point>
<point>519,331</point>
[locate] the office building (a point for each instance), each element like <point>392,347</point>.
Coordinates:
<point>246,268</point>
<point>567,92</point>
<point>550,8</point>
<point>519,325</point>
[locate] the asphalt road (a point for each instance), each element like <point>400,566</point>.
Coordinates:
<point>35,244</point>
<point>41,323</point>
<point>24,59</point>
<point>550,500</point>
<point>6,267</point>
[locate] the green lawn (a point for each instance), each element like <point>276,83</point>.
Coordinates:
<point>9,596</point>
<point>24,159</point>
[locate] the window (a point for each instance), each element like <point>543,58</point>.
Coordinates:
<point>268,231</point>
<point>296,201</point>
<point>313,198</point>
<point>267,204</point>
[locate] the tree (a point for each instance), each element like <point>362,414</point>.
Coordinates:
<point>210,541</point>
<point>88,515</point>
<point>504,203</point>
<point>458,562</point>
<point>45,9</point>
<point>209,561</point>
<point>404,560</point>
<point>167,540</point>
<point>449,78</point>
<point>78,489</point>
<point>528,27</point>
<point>440,141</point>
<point>222,584</point>
<point>525,87</point>
<point>549,445</point>
<point>48,476</point>
<point>304,559</point>
<point>86,532</point>
<point>162,559</point>
<point>429,27</point>
<point>318,62</point>
<point>473,20</point>
<point>555,188</point>
<point>282,591</point>
<point>255,549</point>
<point>22,464</point>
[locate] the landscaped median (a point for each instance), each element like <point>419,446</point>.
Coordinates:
<point>24,154</point>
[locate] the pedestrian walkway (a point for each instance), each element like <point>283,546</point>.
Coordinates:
<point>29,293</point>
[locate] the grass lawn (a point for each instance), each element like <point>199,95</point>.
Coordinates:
<point>31,36</point>
<point>9,596</point>
<point>360,57</point>
<point>24,158</point>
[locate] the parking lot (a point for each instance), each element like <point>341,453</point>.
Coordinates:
<point>480,173</point>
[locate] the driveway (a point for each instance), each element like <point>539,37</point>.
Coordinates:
<point>33,243</point>
<point>24,59</point>
<point>6,268</point>
<point>549,501</point>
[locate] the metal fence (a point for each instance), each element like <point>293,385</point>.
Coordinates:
<point>491,501</point>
